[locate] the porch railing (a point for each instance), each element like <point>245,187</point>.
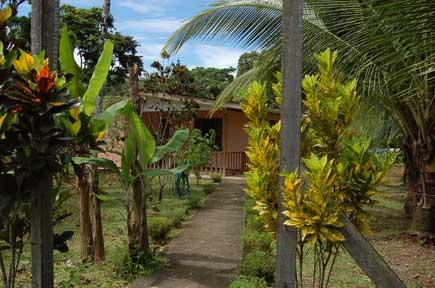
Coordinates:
<point>230,161</point>
<point>220,162</point>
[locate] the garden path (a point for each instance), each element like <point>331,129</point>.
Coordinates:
<point>208,251</point>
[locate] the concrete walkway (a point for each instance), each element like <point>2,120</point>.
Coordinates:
<point>208,251</point>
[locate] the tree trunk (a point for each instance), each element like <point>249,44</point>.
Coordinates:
<point>423,221</point>
<point>87,245</point>
<point>144,237</point>
<point>140,240</point>
<point>104,32</point>
<point>140,226</point>
<point>105,16</point>
<point>45,29</point>
<point>290,134</point>
<point>97,224</point>
<point>421,155</point>
<point>44,36</point>
<point>411,180</point>
<point>42,234</point>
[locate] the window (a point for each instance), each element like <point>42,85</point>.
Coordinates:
<point>205,125</point>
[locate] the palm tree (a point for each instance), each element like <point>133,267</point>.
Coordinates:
<point>388,45</point>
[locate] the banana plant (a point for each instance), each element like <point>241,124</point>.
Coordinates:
<point>138,154</point>
<point>88,132</point>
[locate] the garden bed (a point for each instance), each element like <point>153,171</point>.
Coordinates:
<point>165,219</point>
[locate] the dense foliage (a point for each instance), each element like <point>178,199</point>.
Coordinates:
<point>198,150</point>
<point>176,78</point>
<point>246,62</point>
<point>210,82</point>
<point>340,172</point>
<point>85,27</point>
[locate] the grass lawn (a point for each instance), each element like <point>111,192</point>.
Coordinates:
<point>70,272</point>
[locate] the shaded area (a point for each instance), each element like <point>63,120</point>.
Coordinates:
<point>208,250</point>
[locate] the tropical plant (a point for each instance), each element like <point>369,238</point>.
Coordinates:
<point>340,172</point>
<point>263,154</point>
<point>33,148</point>
<point>88,131</point>
<point>139,152</point>
<point>391,59</point>
<point>216,177</point>
<point>198,151</point>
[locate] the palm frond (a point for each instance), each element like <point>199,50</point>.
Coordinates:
<point>253,24</point>
<point>389,46</point>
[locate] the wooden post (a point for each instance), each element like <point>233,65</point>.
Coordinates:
<point>45,29</point>
<point>368,258</point>
<point>42,233</point>
<point>225,142</point>
<point>290,133</point>
<point>44,36</point>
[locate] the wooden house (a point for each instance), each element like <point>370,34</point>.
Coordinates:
<point>228,123</point>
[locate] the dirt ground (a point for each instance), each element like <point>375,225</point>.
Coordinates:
<point>208,251</point>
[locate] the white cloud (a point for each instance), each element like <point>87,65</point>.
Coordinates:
<point>144,7</point>
<point>150,51</point>
<point>218,56</point>
<point>157,25</point>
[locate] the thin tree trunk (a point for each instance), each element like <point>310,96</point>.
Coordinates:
<point>105,14</point>
<point>140,226</point>
<point>144,238</point>
<point>290,134</point>
<point>104,32</point>
<point>411,179</point>
<point>97,225</point>
<point>44,36</point>
<point>87,245</point>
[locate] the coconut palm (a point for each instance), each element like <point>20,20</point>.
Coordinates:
<point>388,45</point>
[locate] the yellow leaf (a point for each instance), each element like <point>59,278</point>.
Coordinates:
<point>74,128</point>
<point>2,119</point>
<point>24,64</point>
<point>5,14</point>
<point>74,113</point>
<point>100,136</point>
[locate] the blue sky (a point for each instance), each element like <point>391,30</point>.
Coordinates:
<point>152,21</point>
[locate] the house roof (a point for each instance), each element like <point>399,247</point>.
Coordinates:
<point>205,104</point>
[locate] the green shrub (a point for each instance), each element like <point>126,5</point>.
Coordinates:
<point>256,240</point>
<point>259,264</point>
<point>159,227</point>
<point>251,216</point>
<point>208,188</point>
<point>176,215</point>
<point>216,177</point>
<point>144,264</point>
<point>249,282</point>
<point>196,198</point>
